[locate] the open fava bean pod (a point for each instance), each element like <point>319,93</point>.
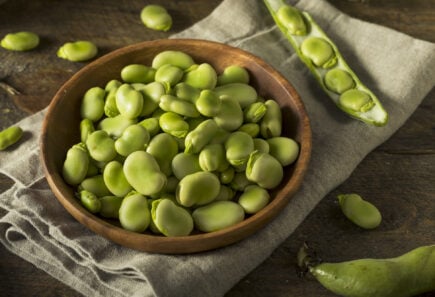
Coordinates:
<point>322,57</point>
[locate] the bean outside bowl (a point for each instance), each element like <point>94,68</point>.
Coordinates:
<point>61,130</point>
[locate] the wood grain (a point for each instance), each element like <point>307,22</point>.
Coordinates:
<point>398,175</point>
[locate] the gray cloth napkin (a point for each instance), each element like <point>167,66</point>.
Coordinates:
<point>398,68</point>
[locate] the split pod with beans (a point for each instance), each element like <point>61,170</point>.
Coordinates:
<point>407,275</point>
<point>322,57</point>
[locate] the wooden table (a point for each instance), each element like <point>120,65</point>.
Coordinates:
<point>399,174</point>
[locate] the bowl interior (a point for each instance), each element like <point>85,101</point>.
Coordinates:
<point>61,130</point>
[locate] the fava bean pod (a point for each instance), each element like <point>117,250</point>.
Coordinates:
<point>324,60</point>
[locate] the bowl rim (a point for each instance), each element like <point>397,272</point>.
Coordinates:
<point>195,242</point>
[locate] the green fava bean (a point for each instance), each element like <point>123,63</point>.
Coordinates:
<point>359,211</point>
<point>233,74</point>
<point>10,136</point>
<point>110,108</point>
<point>356,100</point>
<point>292,20</point>
<point>152,91</point>
<point>90,201</point>
<point>199,137</point>
<point>163,147</point>
<point>254,112</point>
<point>115,180</point>
<point>202,77</point>
<point>134,138</point>
<point>92,106</point>
<point>261,145</point>
<point>198,188</point>
<point>252,129</point>
<point>208,103</point>
<point>116,125</point>
<point>243,93</point>
<point>212,158</point>
<point>137,73</point>
<point>271,123</point>
<point>240,181</point>
<point>284,149</point>
<point>186,92</point>
<point>230,116</point>
<point>20,41</point>
<point>169,75</point>
<point>129,101</point>
<point>264,170</point>
<point>156,17</point>
<point>239,146</point>
<point>86,128</point>
<point>152,125</point>
<point>174,124</point>
<point>113,84</point>
<point>225,194</point>
<point>100,146</point>
<point>75,166</point>
<point>217,216</point>
<point>110,206</point>
<point>171,219</point>
<point>179,106</point>
<point>143,173</point>
<point>175,58</point>
<point>184,164</point>
<point>134,213</point>
<point>78,51</point>
<point>254,199</point>
<point>319,51</point>
<point>220,136</point>
<point>227,175</point>
<point>338,80</point>
<point>96,185</point>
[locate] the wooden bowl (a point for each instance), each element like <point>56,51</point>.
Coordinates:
<point>61,130</point>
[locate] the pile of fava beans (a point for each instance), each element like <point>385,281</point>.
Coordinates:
<point>176,147</point>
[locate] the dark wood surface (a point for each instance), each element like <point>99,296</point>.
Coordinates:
<point>399,176</point>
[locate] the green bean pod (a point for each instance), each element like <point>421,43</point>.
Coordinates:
<point>9,136</point>
<point>322,57</point>
<point>407,275</point>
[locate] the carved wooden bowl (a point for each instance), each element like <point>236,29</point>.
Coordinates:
<point>61,130</point>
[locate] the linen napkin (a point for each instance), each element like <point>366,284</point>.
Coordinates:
<point>36,227</point>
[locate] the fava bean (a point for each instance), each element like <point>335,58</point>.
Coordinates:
<point>182,107</point>
<point>225,194</point>
<point>284,149</point>
<point>243,93</point>
<point>230,115</point>
<point>137,73</point>
<point>143,173</point>
<point>163,147</point>
<point>152,91</point>
<point>175,58</point>
<point>217,216</point>
<point>202,76</point>
<point>252,129</point>
<point>101,146</point>
<point>253,199</point>
<point>92,106</point>
<point>152,125</point>
<point>261,145</point>
<point>238,147</point>
<point>264,170</point>
<point>186,92</point>
<point>184,164</point>
<point>10,136</point>
<point>116,125</point>
<point>110,108</point>
<point>129,101</point>
<point>20,41</point>
<point>233,74</point>
<point>110,206</point>
<point>212,158</point>
<point>198,188</point>
<point>156,17</point>
<point>356,100</point>
<point>86,128</point>
<point>240,182</point>
<point>254,112</point>
<point>75,166</point>
<point>359,211</point>
<point>78,51</point>
<point>338,80</point>
<point>90,201</point>
<point>133,138</point>
<point>168,74</point>
<point>271,123</point>
<point>199,137</point>
<point>134,213</point>
<point>171,219</point>
<point>115,180</point>
<point>292,20</point>
<point>174,124</point>
<point>95,184</point>
<point>319,51</point>
<point>227,175</point>
<point>208,103</point>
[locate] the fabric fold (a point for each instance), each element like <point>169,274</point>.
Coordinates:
<point>35,226</point>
